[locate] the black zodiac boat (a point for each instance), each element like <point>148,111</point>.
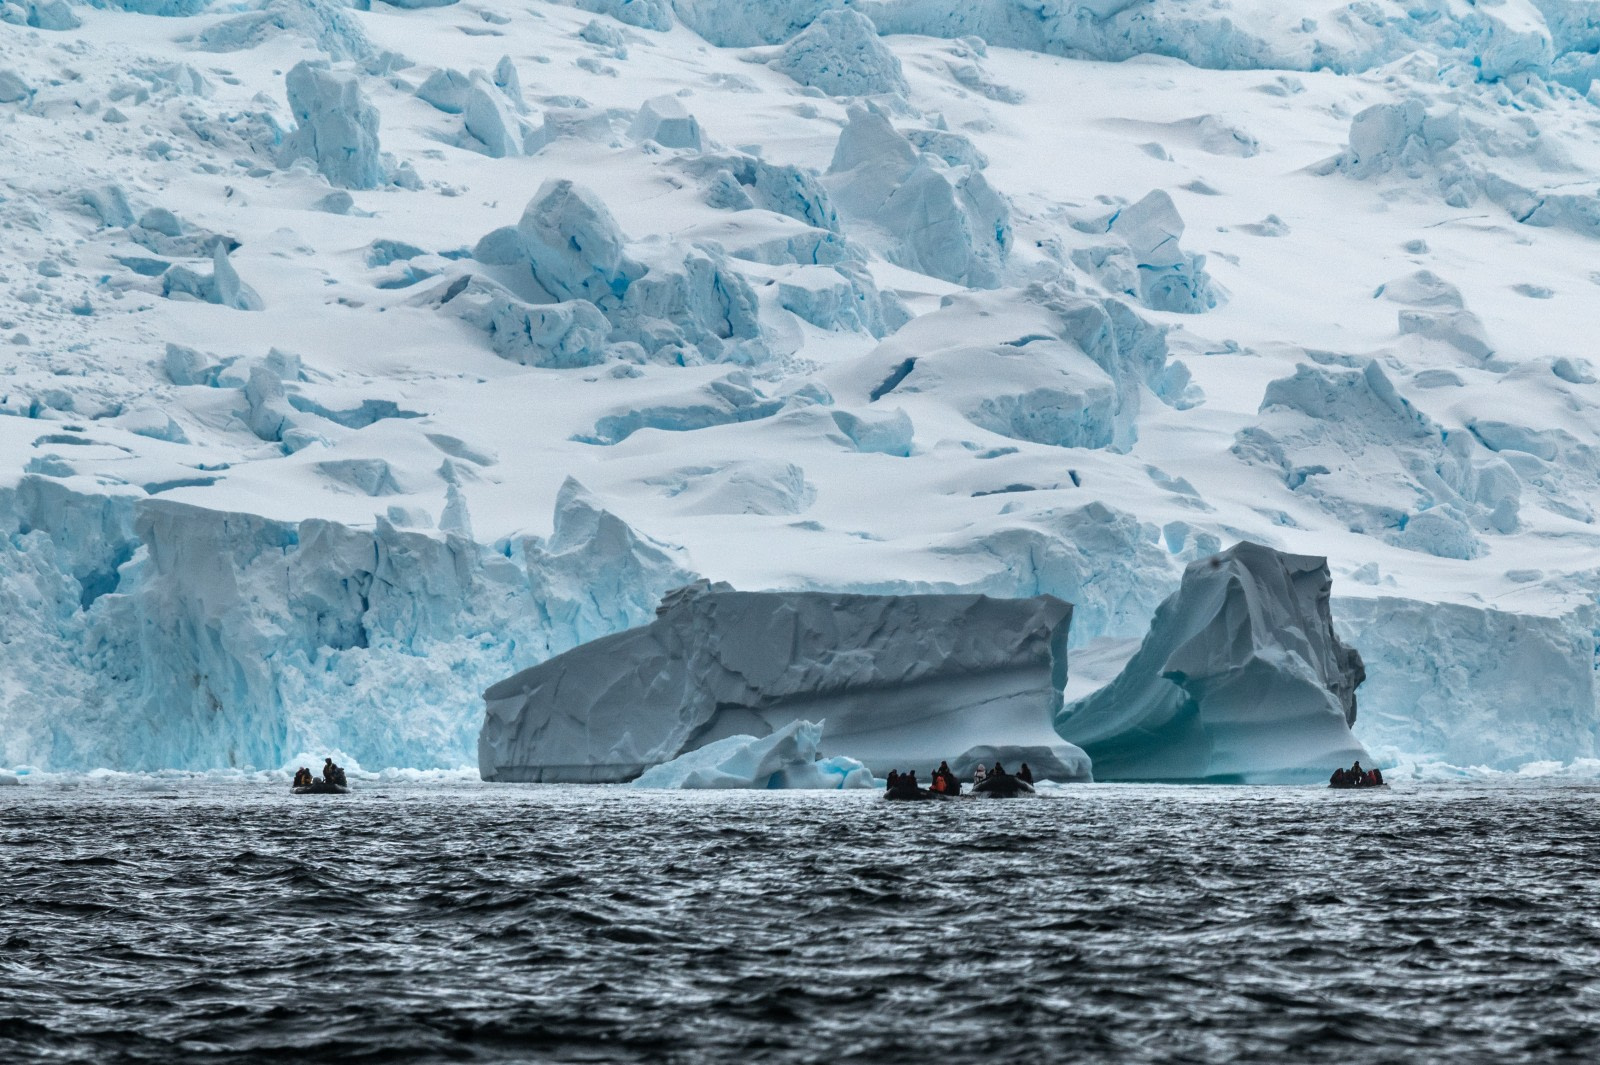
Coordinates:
<point>321,787</point>
<point>1006,787</point>
<point>1357,785</point>
<point>1002,787</point>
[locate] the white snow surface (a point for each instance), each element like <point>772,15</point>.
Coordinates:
<point>308,433</point>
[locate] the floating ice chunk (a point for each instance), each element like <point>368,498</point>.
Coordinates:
<point>900,680</point>
<point>789,758</point>
<point>840,53</point>
<point>666,121</point>
<point>1241,678</point>
<point>336,126</point>
<point>574,246</point>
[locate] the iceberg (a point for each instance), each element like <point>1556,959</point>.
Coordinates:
<point>1240,679</point>
<point>787,759</point>
<point>900,680</point>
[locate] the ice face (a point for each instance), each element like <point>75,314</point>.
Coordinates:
<point>901,681</point>
<point>1241,678</point>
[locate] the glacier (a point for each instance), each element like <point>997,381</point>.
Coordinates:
<point>359,355</point>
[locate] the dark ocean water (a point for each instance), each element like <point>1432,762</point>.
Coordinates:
<point>206,922</point>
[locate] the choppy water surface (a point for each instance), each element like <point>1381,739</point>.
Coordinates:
<point>211,922</point>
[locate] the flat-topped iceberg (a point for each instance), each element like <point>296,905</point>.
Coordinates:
<point>902,681</point>
<point>1240,678</point>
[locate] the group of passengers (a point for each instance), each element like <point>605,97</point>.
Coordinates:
<point>331,774</point>
<point>1356,777</point>
<point>945,782</point>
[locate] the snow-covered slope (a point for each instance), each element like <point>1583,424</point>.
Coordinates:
<point>335,394</point>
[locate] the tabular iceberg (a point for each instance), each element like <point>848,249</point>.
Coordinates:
<point>900,681</point>
<point>1241,678</point>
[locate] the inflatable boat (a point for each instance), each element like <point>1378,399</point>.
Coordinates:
<point>1006,787</point>
<point>321,787</point>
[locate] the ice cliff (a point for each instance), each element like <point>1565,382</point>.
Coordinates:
<point>901,681</point>
<point>1241,678</point>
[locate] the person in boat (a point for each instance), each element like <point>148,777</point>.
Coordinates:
<point>939,784</point>
<point>979,774</point>
<point>892,779</point>
<point>333,774</point>
<point>1025,774</point>
<point>1355,773</point>
<point>302,777</point>
<point>1338,779</point>
<point>998,770</point>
